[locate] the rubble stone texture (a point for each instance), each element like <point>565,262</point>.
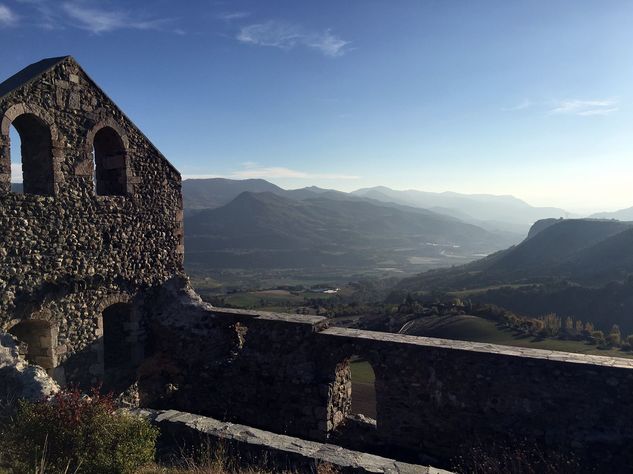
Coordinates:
<point>19,378</point>
<point>68,250</point>
<point>92,286</point>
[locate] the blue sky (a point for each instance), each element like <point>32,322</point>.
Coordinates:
<point>531,98</point>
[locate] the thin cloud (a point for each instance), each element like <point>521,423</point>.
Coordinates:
<point>98,20</point>
<point>281,172</point>
<point>287,36</point>
<point>201,176</point>
<point>524,104</point>
<point>586,108</point>
<point>232,16</point>
<point>7,17</point>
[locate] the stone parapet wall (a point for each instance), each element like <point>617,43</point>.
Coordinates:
<point>435,398</point>
<point>438,396</point>
<point>243,366</point>
<point>270,451</point>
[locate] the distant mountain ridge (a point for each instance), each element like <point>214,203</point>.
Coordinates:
<point>583,250</point>
<point>621,215</point>
<point>329,230</point>
<point>215,192</point>
<point>506,213</point>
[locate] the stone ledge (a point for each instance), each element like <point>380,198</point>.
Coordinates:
<point>298,452</point>
<point>270,316</point>
<point>430,342</point>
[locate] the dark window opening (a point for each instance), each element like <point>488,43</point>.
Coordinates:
<point>110,159</point>
<point>36,160</point>
<point>117,347</point>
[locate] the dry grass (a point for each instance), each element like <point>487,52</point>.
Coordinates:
<point>215,459</point>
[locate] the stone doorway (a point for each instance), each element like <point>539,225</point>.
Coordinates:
<point>39,339</point>
<point>119,346</point>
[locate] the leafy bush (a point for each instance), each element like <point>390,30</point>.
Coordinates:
<point>70,432</point>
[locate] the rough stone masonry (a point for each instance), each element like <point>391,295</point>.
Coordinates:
<point>92,287</point>
<point>99,221</point>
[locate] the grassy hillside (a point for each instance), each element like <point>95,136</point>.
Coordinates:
<point>473,328</point>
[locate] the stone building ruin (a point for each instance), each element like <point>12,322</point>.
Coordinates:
<point>92,286</point>
<point>99,222</point>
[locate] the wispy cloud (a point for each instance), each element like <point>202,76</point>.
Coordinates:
<point>586,107</point>
<point>7,16</point>
<point>287,36</point>
<point>47,17</point>
<point>201,176</point>
<point>253,171</point>
<point>98,20</point>
<point>91,16</point>
<point>232,16</point>
<point>524,104</point>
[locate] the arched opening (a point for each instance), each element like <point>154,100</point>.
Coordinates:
<point>16,161</point>
<point>110,159</point>
<point>39,339</point>
<point>352,408</point>
<point>363,380</point>
<point>118,347</point>
<point>34,167</point>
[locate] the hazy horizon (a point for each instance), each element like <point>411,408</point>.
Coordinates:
<point>494,97</point>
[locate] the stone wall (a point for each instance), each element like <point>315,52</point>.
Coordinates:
<point>101,234</point>
<point>66,251</point>
<point>270,452</point>
<point>243,366</point>
<point>435,398</point>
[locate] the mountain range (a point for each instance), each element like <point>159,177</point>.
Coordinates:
<point>254,223</point>
<point>585,251</point>
<point>579,268</point>
<point>269,229</point>
<point>495,213</point>
<point>505,213</point>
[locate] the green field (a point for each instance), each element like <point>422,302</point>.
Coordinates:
<point>475,291</point>
<point>362,372</point>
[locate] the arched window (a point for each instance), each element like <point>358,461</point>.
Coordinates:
<point>363,388</point>
<point>17,179</point>
<point>39,337</point>
<point>110,163</point>
<point>36,159</point>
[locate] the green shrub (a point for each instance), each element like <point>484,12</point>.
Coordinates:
<point>69,432</point>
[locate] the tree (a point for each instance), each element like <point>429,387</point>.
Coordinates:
<point>598,337</point>
<point>615,336</point>
<point>569,326</point>
<point>580,327</point>
<point>552,324</point>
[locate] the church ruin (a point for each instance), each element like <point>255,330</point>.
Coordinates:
<point>98,222</point>
<point>92,285</point>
